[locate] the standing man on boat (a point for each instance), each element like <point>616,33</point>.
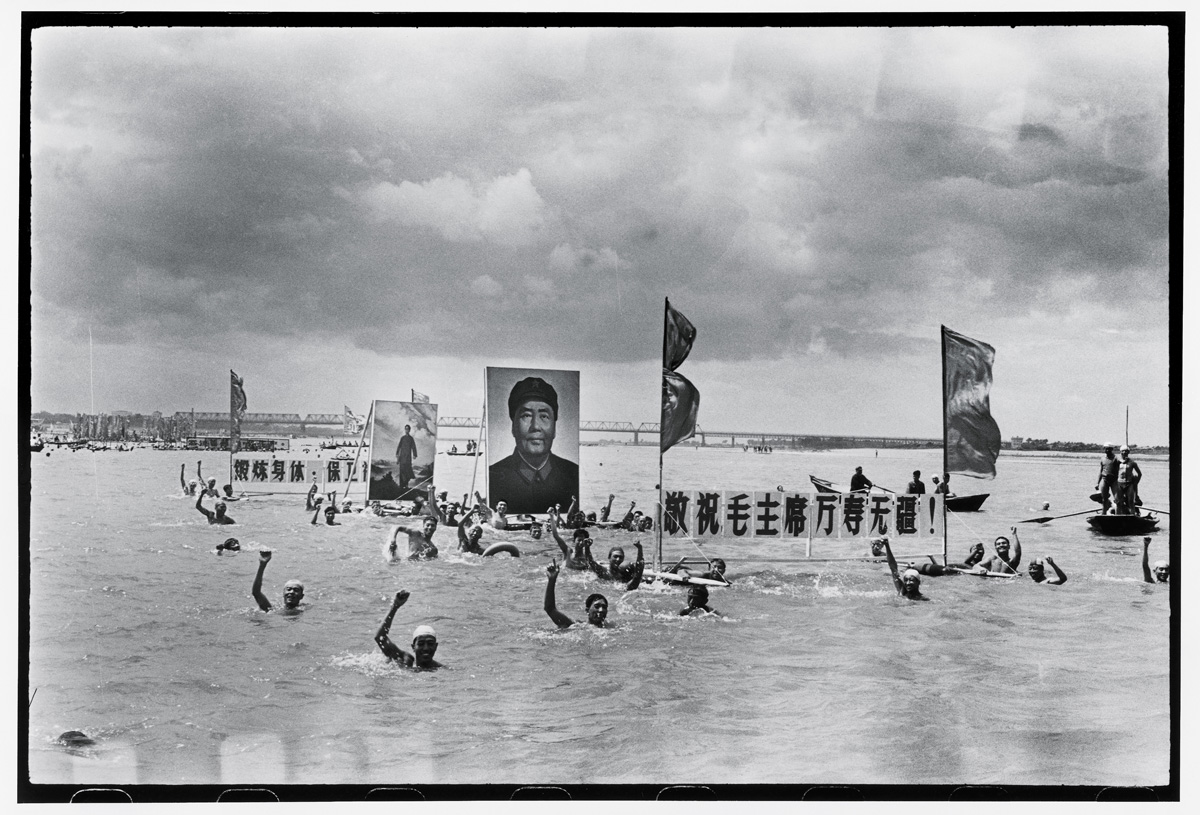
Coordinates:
<point>1162,570</point>
<point>1106,482</point>
<point>1128,476</point>
<point>859,482</point>
<point>406,451</point>
<point>916,486</point>
<point>533,477</point>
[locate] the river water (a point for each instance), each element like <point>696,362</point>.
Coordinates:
<point>817,673</point>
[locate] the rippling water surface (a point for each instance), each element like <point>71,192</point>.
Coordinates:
<point>818,673</point>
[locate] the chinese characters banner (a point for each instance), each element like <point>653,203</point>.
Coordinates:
<point>297,474</point>
<point>798,515</point>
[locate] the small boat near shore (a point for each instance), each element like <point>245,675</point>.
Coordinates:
<point>955,503</point>
<point>1123,524</point>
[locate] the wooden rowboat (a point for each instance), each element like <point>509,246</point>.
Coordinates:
<point>1123,524</point>
<point>957,503</point>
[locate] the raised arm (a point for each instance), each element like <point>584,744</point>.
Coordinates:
<point>1146,575</point>
<point>312,491</point>
<point>891,561</point>
<point>629,514</point>
<point>389,648</point>
<point>264,557</point>
<point>591,561</point>
<point>607,508</point>
<point>560,619</point>
<point>1016,558</point>
<point>208,513</point>
<point>199,474</point>
<point>1061,578</point>
<point>571,510</point>
<point>562,544</point>
<point>463,541</point>
<point>316,515</point>
<point>639,566</point>
<point>182,481</point>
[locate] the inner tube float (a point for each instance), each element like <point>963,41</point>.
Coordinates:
<point>497,548</point>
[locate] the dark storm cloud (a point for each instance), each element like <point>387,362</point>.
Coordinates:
<point>475,192</point>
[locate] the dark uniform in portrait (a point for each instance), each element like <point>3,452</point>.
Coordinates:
<point>533,479</point>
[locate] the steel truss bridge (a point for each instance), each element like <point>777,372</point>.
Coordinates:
<point>736,437</point>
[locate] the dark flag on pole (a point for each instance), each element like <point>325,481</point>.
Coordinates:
<point>237,410</point>
<point>679,334</point>
<point>680,399</point>
<point>680,406</point>
<point>972,436</point>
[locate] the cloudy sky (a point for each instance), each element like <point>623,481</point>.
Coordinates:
<point>345,214</point>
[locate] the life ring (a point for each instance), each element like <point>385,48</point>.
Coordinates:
<point>497,548</point>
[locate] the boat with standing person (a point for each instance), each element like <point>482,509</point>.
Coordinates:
<point>954,503</point>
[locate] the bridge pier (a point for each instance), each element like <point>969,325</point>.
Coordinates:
<point>635,437</point>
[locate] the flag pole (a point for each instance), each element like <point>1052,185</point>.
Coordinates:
<point>482,422</point>
<point>357,452</point>
<point>945,458</point>
<point>661,430</point>
<point>231,421</point>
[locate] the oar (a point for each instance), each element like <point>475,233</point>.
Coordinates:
<point>1159,511</point>
<point>1055,517</point>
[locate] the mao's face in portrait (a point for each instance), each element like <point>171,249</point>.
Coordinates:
<point>533,428</point>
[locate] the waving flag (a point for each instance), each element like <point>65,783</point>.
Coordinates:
<point>420,398</point>
<point>680,399</point>
<point>678,336</point>
<point>972,436</point>
<point>680,406</point>
<point>237,410</point>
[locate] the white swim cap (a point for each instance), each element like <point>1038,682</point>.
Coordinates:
<point>424,631</point>
<point>294,582</point>
<point>1160,564</point>
<point>911,573</point>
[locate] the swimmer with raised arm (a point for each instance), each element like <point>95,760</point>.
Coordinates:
<point>312,500</point>
<point>596,605</point>
<point>908,584</point>
<point>210,486</point>
<point>470,536</point>
<point>189,488</point>
<point>424,641</point>
<point>1037,571</point>
<point>1002,561</point>
<point>217,514</point>
<point>577,560</point>
<point>1162,569</point>
<point>606,509</point>
<point>420,541</point>
<point>293,590</point>
<point>614,570</point>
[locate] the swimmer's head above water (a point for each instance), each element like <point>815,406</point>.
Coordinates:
<point>597,609</point>
<point>424,644</point>
<point>293,593</point>
<point>910,581</point>
<point>697,597</point>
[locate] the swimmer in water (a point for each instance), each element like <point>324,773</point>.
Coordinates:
<point>229,496</point>
<point>596,605</point>
<point>1162,570</point>
<point>293,590</point>
<point>606,509</point>
<point>189,487</point>
<point>470,535</point>
<point>577,560</point>
<point>420,541</point>
<point>231,545</point>
<point>935,569</point>
<point>1001,561</point>
<point>908,584</point>
<point>217,517</point>
<point>1037,571</point>
<point>424,641</point>
<point>330,514</point>
<point>613,570</point>
<point>698,601</point>
<point>210,486</point>
<point>76,739</point>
